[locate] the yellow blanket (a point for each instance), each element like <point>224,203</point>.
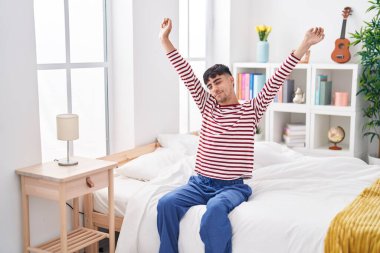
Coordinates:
<point>356,229</point>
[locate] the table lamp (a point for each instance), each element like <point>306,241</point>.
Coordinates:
<point>67,130</point>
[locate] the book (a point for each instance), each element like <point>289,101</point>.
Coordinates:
<point>296,145</point>
<point>242,88</point>
<point>246,86</point>
<point>251,85</point>
<point>325,92</point>
<point>289,132</point>
<point>317,87</point>
<point>290,140</point>
<point>300,132</point>
<point>279,94</point>
<point>239,86</point>
<point>296,126</point>
<point>288,91</point>
<point>259,82</point>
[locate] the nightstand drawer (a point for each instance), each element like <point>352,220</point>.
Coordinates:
<point>86,185</point>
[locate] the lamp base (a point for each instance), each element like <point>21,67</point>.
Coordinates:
<point>66,162</point>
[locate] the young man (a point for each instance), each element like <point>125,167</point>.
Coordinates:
<point>226,147</point>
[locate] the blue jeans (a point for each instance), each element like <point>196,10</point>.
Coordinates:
<point>221,197</point>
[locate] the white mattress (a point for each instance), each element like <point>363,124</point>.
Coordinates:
<point>124,189</point>
<point>290,209</point>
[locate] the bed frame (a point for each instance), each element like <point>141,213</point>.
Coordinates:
<point>95,220</point>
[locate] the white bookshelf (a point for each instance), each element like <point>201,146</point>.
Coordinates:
<point>317,118</point>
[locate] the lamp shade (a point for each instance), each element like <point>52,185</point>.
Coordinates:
<point>67,127</point>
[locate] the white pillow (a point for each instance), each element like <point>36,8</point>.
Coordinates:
<point>184,143</point>
<point>149,166</point>
<point>268,153</point>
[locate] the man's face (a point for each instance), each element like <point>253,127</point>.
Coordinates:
<point>221,88</point>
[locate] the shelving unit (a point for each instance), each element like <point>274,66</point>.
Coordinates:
<point>317,118</point>
<point>262,68</point>
<point>76,240</point>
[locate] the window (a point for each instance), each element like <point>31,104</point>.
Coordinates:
<point>192,45</point>
<point>71,43</point>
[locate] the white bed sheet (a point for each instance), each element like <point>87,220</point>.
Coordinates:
<point>266,153</point>
<point>124,189</point>
<point>290,210</point>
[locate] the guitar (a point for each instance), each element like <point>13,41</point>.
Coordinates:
<point>341,53</point>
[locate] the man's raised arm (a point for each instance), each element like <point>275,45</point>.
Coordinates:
<point>183,68</point>
<point>166,28</point>
<point>273,84</point>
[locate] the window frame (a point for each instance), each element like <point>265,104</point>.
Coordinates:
<point>68,66</point>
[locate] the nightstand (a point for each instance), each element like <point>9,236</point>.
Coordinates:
<point>61,183</point>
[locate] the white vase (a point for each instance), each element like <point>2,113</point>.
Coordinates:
<point>259,137</point>
<point>373,160</point>
<point>262,51</point>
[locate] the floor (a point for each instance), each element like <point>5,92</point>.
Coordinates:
<point>103,244</point>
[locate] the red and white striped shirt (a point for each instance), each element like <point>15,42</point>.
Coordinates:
<point>226,143</point>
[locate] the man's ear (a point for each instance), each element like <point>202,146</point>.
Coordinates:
<point>231,78</point>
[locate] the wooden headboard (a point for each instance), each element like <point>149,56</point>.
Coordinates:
<point>128,155</point>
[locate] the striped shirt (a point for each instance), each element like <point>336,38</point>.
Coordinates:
<point>226,143</point>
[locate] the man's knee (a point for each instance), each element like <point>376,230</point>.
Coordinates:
<point>166,202</point>
<point>215,213</point>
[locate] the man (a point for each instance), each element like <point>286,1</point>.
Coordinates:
<point>226,147</point>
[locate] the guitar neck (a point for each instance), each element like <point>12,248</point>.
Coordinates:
<point>343,32</point>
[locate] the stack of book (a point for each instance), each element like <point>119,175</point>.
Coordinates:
<point>286,92</point>
<point>323,90</point>
<point>295,135</point>
<point>249,85</point>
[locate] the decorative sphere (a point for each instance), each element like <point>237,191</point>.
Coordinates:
<point>336,134</point>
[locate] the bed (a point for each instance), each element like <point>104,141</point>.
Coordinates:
<point>294,199</point>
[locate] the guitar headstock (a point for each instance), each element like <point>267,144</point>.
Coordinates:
<point>346,12</point>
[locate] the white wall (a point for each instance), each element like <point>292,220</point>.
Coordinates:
<point>290,20</point>
<point>142,78</point>
<point>121,89</point>
<point>155,81</point>
<point>218,47</point>
<point>19,127</point>
<point>235,37</point>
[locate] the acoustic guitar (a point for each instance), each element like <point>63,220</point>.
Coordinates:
<point>341,53</point>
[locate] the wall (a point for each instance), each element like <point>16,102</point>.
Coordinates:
<point>290,20</point>
<point>121,89</point>
<point>155,81</point>
<point>19,127</point>
<point>153,85</point>
<point>217,46</point>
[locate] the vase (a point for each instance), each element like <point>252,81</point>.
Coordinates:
<point>372,160</point>
<point>259,137</point>
<point>262,51</point>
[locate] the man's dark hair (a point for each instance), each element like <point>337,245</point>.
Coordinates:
<point>217,69</point>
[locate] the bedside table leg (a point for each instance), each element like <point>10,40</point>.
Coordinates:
<point>75,213</point>
<point>62,207</point>
<point>25,216</point>
<point>111,212</point>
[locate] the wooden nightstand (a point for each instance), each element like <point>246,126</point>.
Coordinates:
<point>60,183</point>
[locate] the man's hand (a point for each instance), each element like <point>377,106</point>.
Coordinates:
<point>312,37</point>
<point>166,27</point>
